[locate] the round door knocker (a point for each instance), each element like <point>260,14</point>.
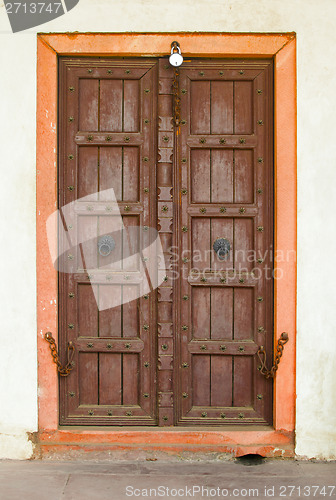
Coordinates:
<point>105,245</point>
<point>222,248</point>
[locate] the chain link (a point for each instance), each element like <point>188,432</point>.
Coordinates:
<point>62,370</point>
<point>177,100</point>
<point>262,357</point>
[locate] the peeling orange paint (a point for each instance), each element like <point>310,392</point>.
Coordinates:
<point>277,441</point>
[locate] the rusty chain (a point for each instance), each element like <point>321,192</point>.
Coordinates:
<point>279,350</point>
<point>177,100</point>
<point>62,370</point>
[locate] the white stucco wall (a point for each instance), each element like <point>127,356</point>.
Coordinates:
<point>314,23</point>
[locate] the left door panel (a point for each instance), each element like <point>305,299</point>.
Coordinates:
<point>106,192</point>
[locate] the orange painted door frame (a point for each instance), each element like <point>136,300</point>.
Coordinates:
<point>282,47</point>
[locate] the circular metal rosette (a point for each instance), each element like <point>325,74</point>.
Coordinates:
<point>106,245</point>
<point>222,248</point>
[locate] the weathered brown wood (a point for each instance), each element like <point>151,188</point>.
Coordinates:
<point>214,179</point>
<point>227,176</point>
<point>105,151</point>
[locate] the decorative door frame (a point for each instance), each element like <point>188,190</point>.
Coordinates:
<point>268,441</point>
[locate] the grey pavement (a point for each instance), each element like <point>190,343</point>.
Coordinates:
<point>119,480</point>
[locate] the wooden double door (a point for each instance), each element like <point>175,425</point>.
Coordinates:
<point>185,352</point>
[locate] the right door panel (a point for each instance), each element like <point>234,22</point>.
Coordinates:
<point>224,172</point>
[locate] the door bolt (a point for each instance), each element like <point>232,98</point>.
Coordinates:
<point>71,295</point>
<point>184,229</point>
<point>89,71</point>
<point>184,91</point>
<point>241,280</point>
<point>72,89</point>
<point>260,159</point>
<point>128,346</point>
<point>146,328</point>
<point>242,140</point>
<point>146,190</point>
<point>164,208</point>
<point>242,210</point>
<point>70,157</point>
<point>109,346</point>
<point>185,365</point>
<point>241,348</point>
<point>71,394</point>
<point>260,122</point>
<point>127,138</point>
<point>89,345</point>
<point>261,329</point>
<point>165,418</point>
<point>184,191</point>
<point>108,138</point>
<point>146,364</point>
<point>240,415</point>
<point>260,299</point>
<point>203,279</point>
<point>241,72</point>
<point>146,297</point>
<point>259,396</point>
<point>184,160</point>
<point>71,326</point>
<point>259,191</point>
<point>146,395</point>
<point>185,297</point>
<point>165,138</point>
<point>164,347</point>
<point>203,347</point>
<point>109,413</point>
<point>260,261</point>
<point>71,119</point>
<point>71,188</point>
<point>223,280</point>
<point>127,71</point>
<point>203,210</point>
<point>146,91</point>
<point>184,328</point>
<point>260,228</point>
<point>202,140</point>
<point>222,415</point>
<point>222,141</point>
<point>145,158</point>
<point>89,138</point>
<point>204,414</point>
<point>183,122</point>
<point>127,208</point>
<point>222,210</point>
<point>184,395</point>
<point>201,73</point>
<point>109,72</point>
<point>91,412</point>
<point>259,91</point>
<point>223,348</point>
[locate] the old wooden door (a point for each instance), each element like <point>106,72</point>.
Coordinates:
<point>185,353</point>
